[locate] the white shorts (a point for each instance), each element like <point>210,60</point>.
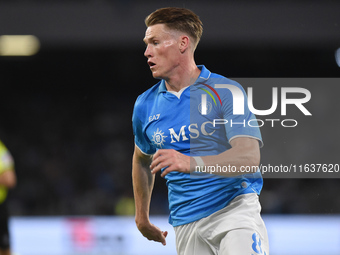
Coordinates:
<point>237,229</point>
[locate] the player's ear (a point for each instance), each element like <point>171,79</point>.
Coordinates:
<point>184,43</point>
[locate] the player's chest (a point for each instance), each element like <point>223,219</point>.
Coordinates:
<point>172,124</point>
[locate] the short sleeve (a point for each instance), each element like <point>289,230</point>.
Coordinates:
<point>139,119</point>
<point>239,125</point>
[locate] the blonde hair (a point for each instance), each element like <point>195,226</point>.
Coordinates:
<point>179,19</point>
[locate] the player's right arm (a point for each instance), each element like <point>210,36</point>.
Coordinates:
<point>143,182</point>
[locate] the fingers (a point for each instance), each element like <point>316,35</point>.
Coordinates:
<point>166,164</point>
<point>153,233</point>
<point>160,160</point>
<point>169,160</point>
<point>157,157</point>
<point>165,234</point>
<point>158,164</point>
<point>161,235</point>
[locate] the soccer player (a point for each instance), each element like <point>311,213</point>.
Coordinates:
<point>195,128</point>
<point>7,180</point>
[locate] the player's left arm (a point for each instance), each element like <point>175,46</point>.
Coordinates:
<point>244,152</point>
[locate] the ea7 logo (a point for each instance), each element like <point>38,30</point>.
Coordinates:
<point>239,98</point>
<point>154,117</point>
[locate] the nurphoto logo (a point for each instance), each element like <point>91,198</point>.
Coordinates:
<point>239,103</point>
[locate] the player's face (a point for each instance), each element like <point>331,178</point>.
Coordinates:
<point>162,50</point>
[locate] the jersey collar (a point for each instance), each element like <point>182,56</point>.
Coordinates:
<point>162,87</point>
<point>203,77</point>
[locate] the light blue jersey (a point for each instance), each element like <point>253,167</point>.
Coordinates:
<point>199,121</point>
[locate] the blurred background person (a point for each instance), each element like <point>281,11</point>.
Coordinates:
<point>7,181</point>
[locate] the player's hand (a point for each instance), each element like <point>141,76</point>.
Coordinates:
<point>153,233</point>
<point>172,160</point>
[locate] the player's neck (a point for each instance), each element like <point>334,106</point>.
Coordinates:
<point>184,76</point>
